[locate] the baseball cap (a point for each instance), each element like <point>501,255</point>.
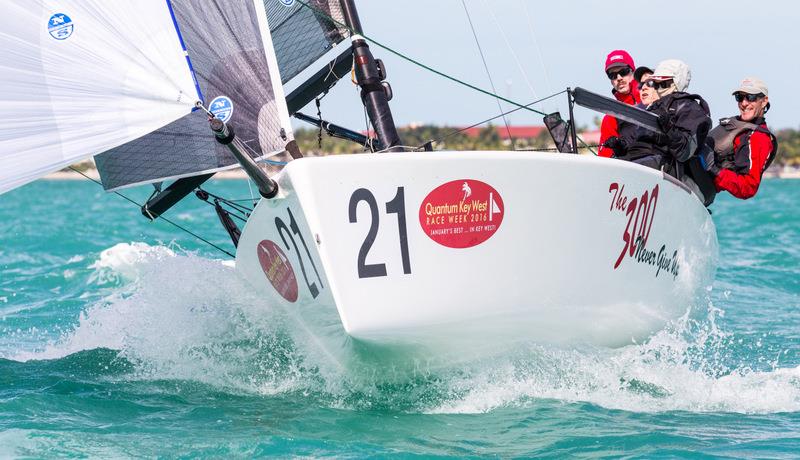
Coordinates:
<point>752,85</point>
<point>619,58</point>
<point>637,74</point>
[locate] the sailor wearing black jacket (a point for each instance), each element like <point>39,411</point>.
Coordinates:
<point>683,117</point>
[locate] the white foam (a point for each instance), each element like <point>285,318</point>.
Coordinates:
<point>671,372</point>
<point>175,315</point>
<point>121,262</point>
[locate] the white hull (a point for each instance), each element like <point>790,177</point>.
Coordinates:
<point>543,234</point>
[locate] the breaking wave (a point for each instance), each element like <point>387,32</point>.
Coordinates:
<point>175,315</point>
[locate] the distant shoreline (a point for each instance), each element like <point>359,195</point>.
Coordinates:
<point>92,174</point>
<point>239,174</point>
<point>786,175</point>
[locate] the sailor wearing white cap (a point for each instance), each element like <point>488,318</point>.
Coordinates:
<point>742,147</point>
<point>683,117</point>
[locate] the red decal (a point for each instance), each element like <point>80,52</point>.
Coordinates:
<point>462,213</point>
<point>640,212</point>
<point>278,269</point>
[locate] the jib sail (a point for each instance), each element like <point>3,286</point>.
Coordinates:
<point>83,76</point>
<point>119,80</point>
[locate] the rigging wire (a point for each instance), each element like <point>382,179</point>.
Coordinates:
<point>456,131</point>
<point>250,189</point>
<point>536,44</point>
<point>488,74</point>
<point>244,210</point>
<point>510,48</point>
<point>161,217</point>
<point>368,141</point>
<point>322,14</point>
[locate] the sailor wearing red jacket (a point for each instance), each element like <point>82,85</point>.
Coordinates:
<point>743,147</point>
<point>613,132</point>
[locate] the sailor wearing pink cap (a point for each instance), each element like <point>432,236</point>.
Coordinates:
<point>615,134</point>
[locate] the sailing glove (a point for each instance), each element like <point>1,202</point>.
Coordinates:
<point>617,145</point>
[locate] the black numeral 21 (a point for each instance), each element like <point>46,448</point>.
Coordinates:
<point>283,231</point>
<point>396,206</point>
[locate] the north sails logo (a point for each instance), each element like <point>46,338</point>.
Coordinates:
<point>60,26</point>
<point>222,108</point>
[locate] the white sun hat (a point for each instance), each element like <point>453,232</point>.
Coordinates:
<point>676,70</point>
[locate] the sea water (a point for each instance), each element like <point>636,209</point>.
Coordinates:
<point>120,337</point>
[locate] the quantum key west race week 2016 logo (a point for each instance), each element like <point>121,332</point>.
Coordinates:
<point>278,269</point>
<point>461,213</point>
<point>640,212</point>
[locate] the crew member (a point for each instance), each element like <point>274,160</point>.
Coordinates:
<point>647,92</point>
<point>648,95</point>
<point>742,147</point>
<point>613,132</point>
<point>683,118</point>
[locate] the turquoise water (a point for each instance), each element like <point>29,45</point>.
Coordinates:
<point>120,337</point>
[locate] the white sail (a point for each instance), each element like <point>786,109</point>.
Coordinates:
<point>230,48</point>
<point>82,76</point>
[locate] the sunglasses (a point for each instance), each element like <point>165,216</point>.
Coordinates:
<point>659,84</point>
<point>750,97</point>
<point>648,83</point>
<point>612,75</point>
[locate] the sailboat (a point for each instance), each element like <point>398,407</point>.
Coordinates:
<point>430,250</point>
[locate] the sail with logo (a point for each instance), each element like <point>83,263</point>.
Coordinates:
<point>235,68</point>
<point>120,80</point>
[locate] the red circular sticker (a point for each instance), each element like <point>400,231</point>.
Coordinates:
<point>278,269</point>
<point>461,213</point>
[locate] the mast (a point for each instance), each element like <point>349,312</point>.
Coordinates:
<point>370,75</point>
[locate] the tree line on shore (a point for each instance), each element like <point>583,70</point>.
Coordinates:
<point>448,138</point>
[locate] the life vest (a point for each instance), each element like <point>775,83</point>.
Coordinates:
<point>722,137</point>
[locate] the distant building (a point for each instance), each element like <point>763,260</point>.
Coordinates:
<point>590,137</point>
<point>517,132</point>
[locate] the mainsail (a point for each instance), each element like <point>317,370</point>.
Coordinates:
<point>229,48</point>
<point>82,76</point>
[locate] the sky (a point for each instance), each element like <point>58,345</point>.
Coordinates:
<point>536,48</point>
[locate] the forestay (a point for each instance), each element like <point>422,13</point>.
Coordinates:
<point>229,47</point>
<point>83,76</point>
